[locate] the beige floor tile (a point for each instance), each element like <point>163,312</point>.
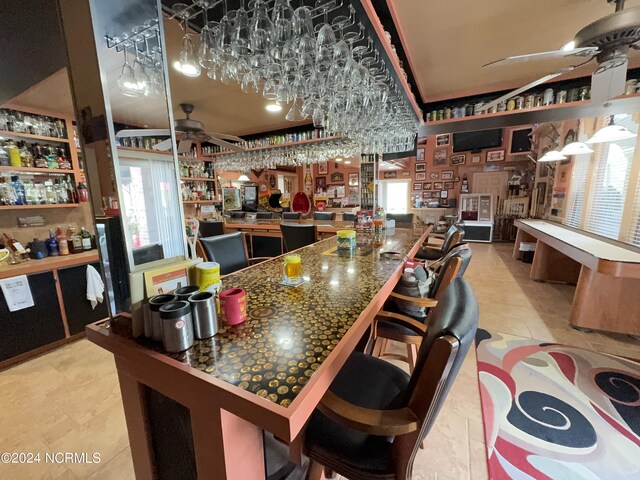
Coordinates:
<point>120,467</point>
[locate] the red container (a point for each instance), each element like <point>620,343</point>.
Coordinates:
<point>233,303</point>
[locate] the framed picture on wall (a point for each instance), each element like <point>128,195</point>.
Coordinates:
<point>428,186</point>
<point>444,194</point>
<point>438,186</point>
<point>421,167</point>
<point>417,186</point>
<point>387,175</point>
<point>337,177</point>
<point>449,185</point>
<point>420,155</point>
<point>442,140</point>
<point>456,178</point>
<point>353,179</point>
<point>421,176</point>
<point>476,159</point>
<point>321,183</point>
<point>426,195</point>
<point>458,159</point>
<point>440,157</point>
<point>446,175</point>
<point>495,156</point>
<point>322,168</point>
<point>434,175</point>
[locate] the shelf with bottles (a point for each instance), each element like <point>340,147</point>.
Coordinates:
<point>192,169</point>
<point>50,191</point>
<point>200,202</point>
<point>273,141</point>
<point>27,207</point>
<point>184,156</point>
<point>197,179</point>
<point>198,191</point>
<point>34,156</point>
<point>537,114</point>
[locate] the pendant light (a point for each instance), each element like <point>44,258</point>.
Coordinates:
<point>575,148</point>
<point>243,178</point>
<point>552,156</point>
<point>611,133</point>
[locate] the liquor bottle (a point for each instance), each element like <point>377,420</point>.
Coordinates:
<point>18,188</point>
<point>85,239</point>
<point>76,241</point>
<point>83,195</point>
<point>52,244</point>
<point>63,243</point>
<point>13,245</point>
<point>14,154</point>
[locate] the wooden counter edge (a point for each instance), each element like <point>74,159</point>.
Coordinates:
<point>48,264</point>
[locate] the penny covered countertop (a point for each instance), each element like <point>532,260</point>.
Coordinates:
<point>290,331</point>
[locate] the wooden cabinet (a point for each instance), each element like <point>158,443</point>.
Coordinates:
<point>73,284</point>
<point>35,327</point>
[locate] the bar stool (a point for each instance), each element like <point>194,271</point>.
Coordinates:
<point>297,236</point>
<point>324,215</point>
<point>291,215</point>
<point>229,250</point>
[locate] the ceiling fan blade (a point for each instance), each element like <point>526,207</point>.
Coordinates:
<point>185,145</point>
<point>143,132</point>
<point>518,91</point>
<point>227,145</point>
<point>163,145</point>
<point>608,81</point>
<point>224,136</point>
<point>584,51</point>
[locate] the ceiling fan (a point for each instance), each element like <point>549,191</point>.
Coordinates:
<point>606,40</point>
<point>187,130</point>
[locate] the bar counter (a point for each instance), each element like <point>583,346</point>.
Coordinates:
<point>48,264</point>
<point>268,373</point>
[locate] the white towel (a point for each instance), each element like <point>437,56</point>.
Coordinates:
<point>95,287</point>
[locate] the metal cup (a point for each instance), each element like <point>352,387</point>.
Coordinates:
<point>177,326</point>
<point>205,314</point>
<point>183,293</point>
<point>154,310</point>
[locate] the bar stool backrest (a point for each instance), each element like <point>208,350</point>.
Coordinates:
<point>324,215</point>
<point>229,250</point>
<point>297,236</point>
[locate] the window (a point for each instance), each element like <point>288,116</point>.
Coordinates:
<point>395,196</point>
<point>611,179</point>
<point>576,200</point>
<point>634,235</point>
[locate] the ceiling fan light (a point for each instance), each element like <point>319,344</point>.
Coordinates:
<point>576,148</point>
<point>569,46</point>
<point>552,156</point>
<point>611,133</point>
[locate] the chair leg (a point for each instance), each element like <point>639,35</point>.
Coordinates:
<point>411,356</point>
<point>314,470</point>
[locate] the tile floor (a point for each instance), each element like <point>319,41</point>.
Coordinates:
<point>69,401</point>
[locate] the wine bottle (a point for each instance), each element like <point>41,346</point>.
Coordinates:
<point>13,245</point>
<point>85,239</point>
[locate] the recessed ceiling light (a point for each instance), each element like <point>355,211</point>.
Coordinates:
<point>347,162</point>
<point>569,46</point>
<point>273,107</point>
<point>338,159</point>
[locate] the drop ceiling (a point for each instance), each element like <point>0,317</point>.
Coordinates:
<point>448,42</point>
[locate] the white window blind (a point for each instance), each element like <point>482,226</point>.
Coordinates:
<point>634,236</point>
<point>612,169</point>
<point>576,200</point>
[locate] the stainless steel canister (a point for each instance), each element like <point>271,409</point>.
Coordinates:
<point>154,310</point>
<point>183,293</point>
<point>177,326</point>
<point>205,314</point>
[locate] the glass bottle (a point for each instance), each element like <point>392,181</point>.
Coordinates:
<point>26,158</point>
<point>63,242</point>
<point>31,193</point>
<point>85,239</point>
<point>83,195</point>
<point>18,189</point>
<point>4,156</point>
<point>51,195</point>
<point>14,154</point>
<point>52,244</point>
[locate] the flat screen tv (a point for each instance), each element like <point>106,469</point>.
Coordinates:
<point>521,141</point>
<point>469,141</point>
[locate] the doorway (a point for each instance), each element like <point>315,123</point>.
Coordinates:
<point>495,183</point>
<point>394,196</point>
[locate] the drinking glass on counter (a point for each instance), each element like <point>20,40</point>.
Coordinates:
<point>292,269</point>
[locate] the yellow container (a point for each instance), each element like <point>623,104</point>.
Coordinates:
<point>208,276</point>
<point>346,240</point>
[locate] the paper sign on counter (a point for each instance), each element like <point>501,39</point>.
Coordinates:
<point>17,293</point>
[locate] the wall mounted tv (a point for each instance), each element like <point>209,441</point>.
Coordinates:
<point>469,141</point>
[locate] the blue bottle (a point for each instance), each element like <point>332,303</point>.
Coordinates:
<point>52,244</point>
<point>18,188</point>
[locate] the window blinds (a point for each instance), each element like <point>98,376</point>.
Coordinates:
<point>576,200</point>
<point>634,236</point>
<point>612,169</point>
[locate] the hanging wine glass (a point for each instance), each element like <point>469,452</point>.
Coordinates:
<point>126,80</point>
